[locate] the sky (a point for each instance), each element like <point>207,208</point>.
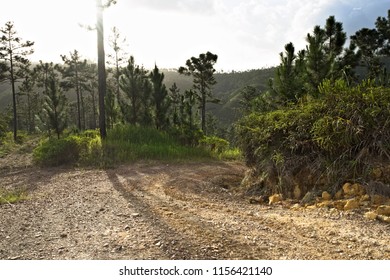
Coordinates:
<point>245,34</point>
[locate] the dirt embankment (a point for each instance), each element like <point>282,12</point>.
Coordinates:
<point>171,211</point>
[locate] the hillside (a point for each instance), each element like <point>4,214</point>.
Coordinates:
<point>227,89</point>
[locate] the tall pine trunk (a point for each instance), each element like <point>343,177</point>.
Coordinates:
<point>101,69</point>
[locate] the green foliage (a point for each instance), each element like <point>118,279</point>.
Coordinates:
<point>82,149</point>
<point>131,143</point>
<point>340,133</point>
<point>160,99</point>
<point>214,143</point>
<point>54,108</point>
<point>3,126</point>
<point>8,144</point>
<point>11,197</point>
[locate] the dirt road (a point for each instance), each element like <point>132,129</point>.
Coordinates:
<point>170,211</point>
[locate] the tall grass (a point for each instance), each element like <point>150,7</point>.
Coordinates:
<point>132,143</point>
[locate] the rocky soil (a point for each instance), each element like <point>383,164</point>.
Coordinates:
<point>171,211</point>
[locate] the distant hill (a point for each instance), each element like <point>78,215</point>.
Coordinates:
<point>227,89</point>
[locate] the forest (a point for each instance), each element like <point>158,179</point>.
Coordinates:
<point>323,111</point>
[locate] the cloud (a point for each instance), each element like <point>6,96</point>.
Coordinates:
<point>189,6</point>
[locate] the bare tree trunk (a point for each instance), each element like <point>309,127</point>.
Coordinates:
<point>101,69</point>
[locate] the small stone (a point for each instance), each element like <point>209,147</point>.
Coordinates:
<point>338,195</point>
<point>326,203</point>
<point>383,210</point>
<point>135,215</point>
<point>105,245</point>
<point>63,235</point>
<point>371,215</point>
<point>309,198</point>
<point>383,218</point>
<point>275,198</point>
<point>127,227</point>
<point>378,199</point>
<point>352,190</point>
<point>295,207</point>
<point>339,204</point>
<point>326,196</point>
<point>365,197</point>
<point>351,204</point>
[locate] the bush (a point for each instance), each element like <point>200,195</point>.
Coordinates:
<point>337,136</point>
<point>84,149</point>
<point>214,143</point>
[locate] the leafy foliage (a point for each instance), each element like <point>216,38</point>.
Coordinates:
<point>84,148</point>
<point>339,134</point>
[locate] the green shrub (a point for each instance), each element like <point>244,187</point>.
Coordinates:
<point>84,148</point>
<point>336,136</point>
<point>214,143</point>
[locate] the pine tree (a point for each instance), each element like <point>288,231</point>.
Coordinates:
<point>175,98</point>
<point>13,54</point>
<point>131,83</point>
<point>288,79</point>
<point>31,102</point>
<point>202,70</point>
<point>324,52</point>
<point>55,107</point>
<point>101,64</point>
<point>75,76</point>
<point>159,98</point>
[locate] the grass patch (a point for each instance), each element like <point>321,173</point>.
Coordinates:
<point>131,143</point>
<point>11,197</point>
<point>8,145</point>
<point>230,154</point>
<point>123,144</point>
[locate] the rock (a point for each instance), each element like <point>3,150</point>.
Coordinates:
<point>297,192</point>
<point>295,206</point>
<point>275,198</point>
<point>326,196</point>
<point>351,204</point>
<point>383,218</point>
<point>352,190</point>
<point>378,199</point>
<point>338,195</point>
<point>135,215</point>
<point>339,204</point>
<point>365,197</point>
<point>63,235</point>
<point>371,215</point>
<point>309,198</point>
<point>383,210</point>
<point>326,203</point>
